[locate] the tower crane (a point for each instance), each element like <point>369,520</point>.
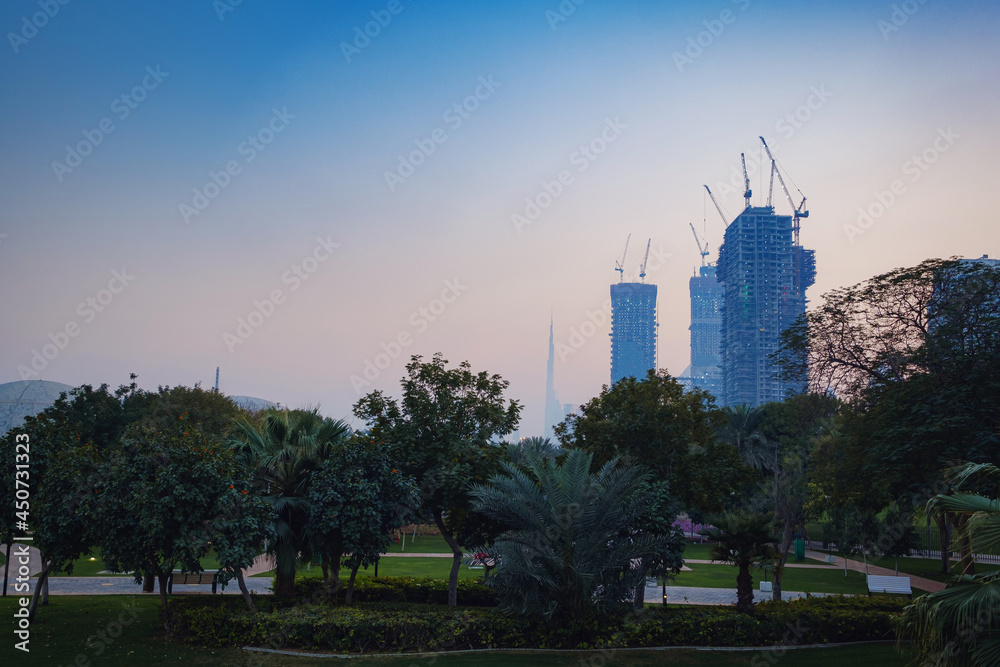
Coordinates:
<point>642,267</point>
<point>770,187</point>
<point>747,192</point>
<point>620,264</point>
<point>702,247</point>
<point>718,207</point>
<point>799,211</point>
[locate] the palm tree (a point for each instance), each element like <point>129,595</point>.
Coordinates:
<point>541,447</point>
<point>743,430</point>
<point>744,539</point>
<point>284,449</point>
<point>959,625</point>
<point>574,541</point>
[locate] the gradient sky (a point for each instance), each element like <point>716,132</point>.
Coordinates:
<point>883,88</point>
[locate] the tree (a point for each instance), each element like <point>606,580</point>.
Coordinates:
<point>654,421</point>
<point>570,551</point>
<point>356,499</point>
<point>444,434</point>
<point>744,539</point>
<point>959,625</point>
<point>915,351</point>
<point>285,449</point>
<point>162,497</point>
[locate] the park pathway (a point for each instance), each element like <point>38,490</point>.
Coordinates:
<point>923,584</point>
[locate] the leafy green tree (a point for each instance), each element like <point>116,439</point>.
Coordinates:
<point>569,553</point>
<point>655,422</point>
<point>445,434</point>
<point>285,449</point>
<point>915,351</point>
<point>356,499</point>
<point>959,625</point>
<point>744,539</point>
<point>162,500</point>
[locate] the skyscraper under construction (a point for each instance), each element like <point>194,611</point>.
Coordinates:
<point>633,325</point>
<point>765,274</point>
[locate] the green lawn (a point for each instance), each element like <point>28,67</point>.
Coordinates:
<point>61,632</point>
<point>437,568</point>
<point>424,544</point>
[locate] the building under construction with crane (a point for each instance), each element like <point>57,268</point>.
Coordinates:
<point>764,273</point>
<point>633,324</point>
<point>705,371</point>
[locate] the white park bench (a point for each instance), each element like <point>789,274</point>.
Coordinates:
<point>884,584</point>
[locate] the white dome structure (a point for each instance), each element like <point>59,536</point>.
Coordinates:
<point>25,398</point>
<point>252,404</point>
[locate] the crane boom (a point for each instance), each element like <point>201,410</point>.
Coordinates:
<point>770,188</point>
<point>799,211</point>
<point>642,267</point>
<point>718,207</point>
<point>702,249</point>
<point>747,192</point>
<point>620,265</point>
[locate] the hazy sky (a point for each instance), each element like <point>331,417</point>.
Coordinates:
<point>169,168</point>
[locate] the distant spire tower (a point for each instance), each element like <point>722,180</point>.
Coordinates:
<point>553,411</point>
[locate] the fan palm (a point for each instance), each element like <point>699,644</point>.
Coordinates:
<point>960,625</point>
<point>573,547</point>
<point>745,539</point>
<point>284,449</point>
<point>742,429</point>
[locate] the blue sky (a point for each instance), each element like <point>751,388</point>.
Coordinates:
<point>848,94</point>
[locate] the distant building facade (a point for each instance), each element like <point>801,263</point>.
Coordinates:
<point>633,330</point>
<point>553,410</point>
<point>765,276</point>
<point>705,371</point>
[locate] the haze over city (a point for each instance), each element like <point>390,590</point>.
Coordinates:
<point>452,178</point>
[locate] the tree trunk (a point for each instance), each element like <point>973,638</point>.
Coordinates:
<point>942,523</point>
<point>350,583</point>
<point>246,594</point>
<point>325,564</point>
<point>44,585</point>
<point>968,561</point>
<point>744,591</point>
<point>148,581</point>
<point>163,576</point>
<point>779,567</point>
<point>456,563</point>
<point>43,578</point>
<point>6,570</point>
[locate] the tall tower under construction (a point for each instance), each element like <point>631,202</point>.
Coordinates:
<point>706,331</point>
<point>633,324</point>
<point>765,274</point>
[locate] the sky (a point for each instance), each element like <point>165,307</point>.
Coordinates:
<point>306,194</point>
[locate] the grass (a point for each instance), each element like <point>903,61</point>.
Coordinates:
<point>436,568</point>
<point>66,629</point>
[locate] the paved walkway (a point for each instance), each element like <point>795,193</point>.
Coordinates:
<point>125,585</point>
<point>923,584</point>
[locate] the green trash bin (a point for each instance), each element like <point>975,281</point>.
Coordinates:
<point>800,550</point>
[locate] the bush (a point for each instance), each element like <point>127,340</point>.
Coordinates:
<point>406,626</point>
<point>404,589</point>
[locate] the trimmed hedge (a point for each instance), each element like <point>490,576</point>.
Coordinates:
<point>471,593</point>
<point>400,627</point>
